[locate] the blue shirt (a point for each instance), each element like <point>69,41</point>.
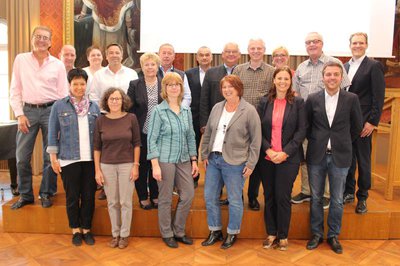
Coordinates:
<point>170,136</point>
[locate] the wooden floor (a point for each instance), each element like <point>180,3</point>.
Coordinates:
<point>56,249</point>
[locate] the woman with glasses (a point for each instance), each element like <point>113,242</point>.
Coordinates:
<point>230,149</point>
<point>172,151</point>
<point>116,158</point>
<point>280,58</point>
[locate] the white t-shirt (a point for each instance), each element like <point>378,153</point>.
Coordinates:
<point>221,130</point>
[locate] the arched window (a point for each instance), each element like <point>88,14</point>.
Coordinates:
<point>4,92</point>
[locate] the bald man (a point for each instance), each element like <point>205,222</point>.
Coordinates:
<point>68,56</point>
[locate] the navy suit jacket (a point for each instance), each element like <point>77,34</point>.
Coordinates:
<point>210,92</point>
<point>369,84</point>
<point>137,91</point>
<point>294,128</point>
<point>193,76</point>
<point>346,127</point>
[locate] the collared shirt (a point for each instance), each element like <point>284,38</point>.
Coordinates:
<point>354,65</point>
<point>90,78</point>
<point>170,136</point>
<point>105,78</point>
<point>187,95</point>
<point>202,73</point>
<point>35,84</point>
<point>330,107</point>
<point>256,82</point>
<point>229,70</point>
<point>308,76</point>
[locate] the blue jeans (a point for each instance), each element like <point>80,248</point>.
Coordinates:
<point>219,172</point>
<point>337,181</point>
<point>38,119</point>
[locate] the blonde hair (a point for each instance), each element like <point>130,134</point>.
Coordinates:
<point>170,78</point>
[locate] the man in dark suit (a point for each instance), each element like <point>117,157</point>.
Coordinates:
<point>210,91</point>
<point>335,122</point>
<point>195,77</point>
<point>367,81</point>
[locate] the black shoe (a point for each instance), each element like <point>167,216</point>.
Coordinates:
<point>146,206</point>
<point>300,198</point>
<point>88,238</point>
<point>335,245</point>
<point>185,240</point>
<point>102,195</point>
<point>348,198</point>
<point>361,207</point>
<point>223,202</point>
<point>20,203</point>
<point>229,241</point>
<point>213,237</point>
<point>77,239</point>
<point>170,242</point>
<point>14,191</point>
<point>46,201</point>
<point>314,242</point>
<point>154,204</point>
<point>254,204</point>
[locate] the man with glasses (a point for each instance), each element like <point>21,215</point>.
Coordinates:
<point>307,80</point>
<point>256,76</point>
<point>38,80</point>
<point>210,92</point>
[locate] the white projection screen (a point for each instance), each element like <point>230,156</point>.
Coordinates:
<point>189,24</point>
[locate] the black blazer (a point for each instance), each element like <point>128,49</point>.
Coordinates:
<point>137,91</point>
<point>210,93</point>
<point>193,76</point>
<point>346,127</point>
<point>369,84</point>
<point>294,128</point>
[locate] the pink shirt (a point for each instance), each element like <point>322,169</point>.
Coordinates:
<point>277,121</point>
<point>34,84</point>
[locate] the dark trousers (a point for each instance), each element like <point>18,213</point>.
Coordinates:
<point>362,158</point>
<point>254,185</point>
<point>12,166</point>
<point>277,181</point>
<point>80,186</point>
<point>145,179</point>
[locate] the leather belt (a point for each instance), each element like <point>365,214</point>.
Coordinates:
<point>43,105</point>
<point>217,153</point>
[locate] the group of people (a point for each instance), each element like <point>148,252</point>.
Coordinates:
<point>124,129</point>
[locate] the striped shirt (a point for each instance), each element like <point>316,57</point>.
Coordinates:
<point>308,77</point>
<point>170,136</point>
<point>256,83</point>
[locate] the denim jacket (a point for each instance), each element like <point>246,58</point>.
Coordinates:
<point>63,133</point>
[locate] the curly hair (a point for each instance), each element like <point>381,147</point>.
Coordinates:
<point>126,101</point>
<point>290,92</point>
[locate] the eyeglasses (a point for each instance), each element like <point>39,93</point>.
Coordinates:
<point>39,37</point>
<point>173,85</point>
<point>231,51</point>
<point>279,55</point>
<point>316,41</point>
<point>112,99</point>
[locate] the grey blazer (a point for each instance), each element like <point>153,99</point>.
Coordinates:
<point>242,140</point>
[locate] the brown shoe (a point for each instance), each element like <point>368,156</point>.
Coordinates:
<point>283,244</point>
<point>123,242</point>
<point>270,242</point>
<point>114,242</point>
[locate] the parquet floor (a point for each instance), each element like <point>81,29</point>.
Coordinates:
<point>50,249</point>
